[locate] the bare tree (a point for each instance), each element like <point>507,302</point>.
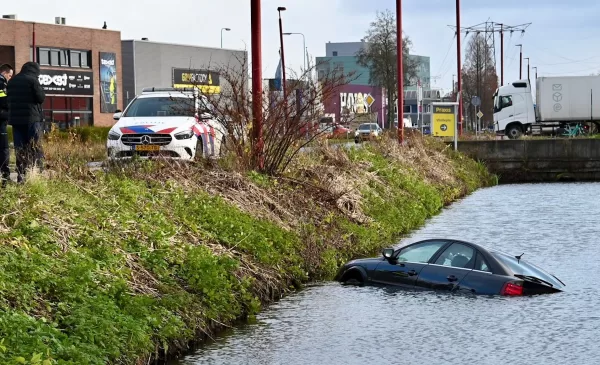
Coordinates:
<point>379,56</point>
<point>289,124</point>
<point>479,77</point>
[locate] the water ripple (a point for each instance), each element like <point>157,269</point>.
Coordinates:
<point>555,225</point>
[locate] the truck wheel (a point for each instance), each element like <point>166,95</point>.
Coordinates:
<point>514,131</point>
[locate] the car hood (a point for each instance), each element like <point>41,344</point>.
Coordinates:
<point>153,125</point>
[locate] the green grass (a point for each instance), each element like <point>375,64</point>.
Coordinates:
<point>113,268</point>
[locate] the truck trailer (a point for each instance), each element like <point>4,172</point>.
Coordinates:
<point>563,104</point>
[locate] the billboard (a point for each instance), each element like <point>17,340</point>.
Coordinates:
<point>67,82</point>
<point>356,103</point>
<point>108,82</point>
<point>207,81</point>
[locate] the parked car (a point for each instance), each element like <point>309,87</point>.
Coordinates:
<point>337,131</point>
<point>451,265</point>
<point>407,123</point>
<point>170,122</point>
<point>367,131</point>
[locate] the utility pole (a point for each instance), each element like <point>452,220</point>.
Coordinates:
<point>501,54</point>
<point>283,81</point>
<point>257,115</point>
<point>400,77</point>
<point>458,68</point>
<point>520,61</point>
<point>527,58</point>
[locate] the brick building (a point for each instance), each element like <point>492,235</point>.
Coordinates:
<point>81,68</point>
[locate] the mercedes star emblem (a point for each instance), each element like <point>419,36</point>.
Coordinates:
<point>145,139</point>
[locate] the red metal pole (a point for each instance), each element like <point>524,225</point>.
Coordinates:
<point>459,68</point>
<point>257,112</point>
<point>501,54</point>
<point>33,45</point>
<point>399,54</point>
<point>282,60</point>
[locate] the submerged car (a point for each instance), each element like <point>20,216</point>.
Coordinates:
<point>451,265</point>
<point>168,122</point>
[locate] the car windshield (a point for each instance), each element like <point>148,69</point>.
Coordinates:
<point>520,267</point>
<point>161,107</point>
<point>366,127</point>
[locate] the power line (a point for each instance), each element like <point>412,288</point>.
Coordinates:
<point>447,53</point>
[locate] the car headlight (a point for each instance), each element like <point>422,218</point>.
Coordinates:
<point>184,135</point>
<point>113,136</point>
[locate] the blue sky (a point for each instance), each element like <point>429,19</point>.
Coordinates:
<point>562,39</point>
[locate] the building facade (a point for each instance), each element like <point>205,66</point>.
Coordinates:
<point>343,54</point>
<point>153,64</point>
<point>80,68</point>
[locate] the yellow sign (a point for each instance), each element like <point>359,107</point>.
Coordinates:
<point>443,121</point>
<point>204,89</point>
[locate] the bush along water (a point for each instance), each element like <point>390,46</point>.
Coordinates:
<point>123,266</point>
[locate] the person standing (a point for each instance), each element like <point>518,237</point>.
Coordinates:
<point>6,73</point>
<point>25,100</point>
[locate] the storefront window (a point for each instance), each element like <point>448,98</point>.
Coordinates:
<point>63,111</point>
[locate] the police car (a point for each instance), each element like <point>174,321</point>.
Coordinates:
<point>168,122</point>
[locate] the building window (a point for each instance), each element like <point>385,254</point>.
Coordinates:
<point>334,53</point>
<point>75,59</point>
<point>85,59</point>
<point>64,58</point>
<point>54,57</point>
<point>68,112</point>
<point>44,56</point>
<point>59,57</point>
<point>407,109</point>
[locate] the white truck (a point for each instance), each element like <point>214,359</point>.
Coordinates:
<point>564,103</point>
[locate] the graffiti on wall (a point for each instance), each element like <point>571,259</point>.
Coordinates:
<point>356,103</point>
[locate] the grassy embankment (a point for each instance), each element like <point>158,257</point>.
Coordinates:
<point>117,267</point>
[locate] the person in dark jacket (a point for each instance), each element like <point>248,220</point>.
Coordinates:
<point>6,73</point>
<point>25,99</point>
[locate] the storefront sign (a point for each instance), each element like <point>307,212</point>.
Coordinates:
<point>67,82</point>
<point>207,81</point>
<point>108,82</point>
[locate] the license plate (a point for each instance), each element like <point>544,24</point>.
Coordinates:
<point>147,147</point>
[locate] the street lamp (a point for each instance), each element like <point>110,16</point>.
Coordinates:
<point>521,61</point>
<point>223,29</point>
<point>527,58</point>
<point>279,10</point>
<point>304,47</point>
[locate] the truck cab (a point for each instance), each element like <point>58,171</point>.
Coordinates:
<point>513,109</point>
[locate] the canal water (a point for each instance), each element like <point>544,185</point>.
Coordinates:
<point>555,225</point>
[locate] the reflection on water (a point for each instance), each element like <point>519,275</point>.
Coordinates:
<point>555,225</point>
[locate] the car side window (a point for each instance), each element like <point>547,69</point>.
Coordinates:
<point>481,264</point>
<point>457,255</point>
<point>421,252</point>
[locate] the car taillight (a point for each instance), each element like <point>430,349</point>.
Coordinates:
<point>512,289</point>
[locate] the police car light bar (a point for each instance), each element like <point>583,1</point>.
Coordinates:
<point>163,89</point>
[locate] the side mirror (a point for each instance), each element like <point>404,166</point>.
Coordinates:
<point>117,115</point>
<point>205,116</point>
<point>388,253</point>
<point>118,111</point>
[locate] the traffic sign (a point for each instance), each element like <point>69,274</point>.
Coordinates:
<point>444,120</point>
<point>479,114</point>
<point>476,101</point>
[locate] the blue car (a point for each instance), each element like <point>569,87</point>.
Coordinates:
<point>451,265</point>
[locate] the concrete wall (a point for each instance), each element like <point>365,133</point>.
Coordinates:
<point>152,63</point>
<point>538,160</point>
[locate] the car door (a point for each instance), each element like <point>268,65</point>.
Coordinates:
<point>451,266</point>
<point>408,263</point>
